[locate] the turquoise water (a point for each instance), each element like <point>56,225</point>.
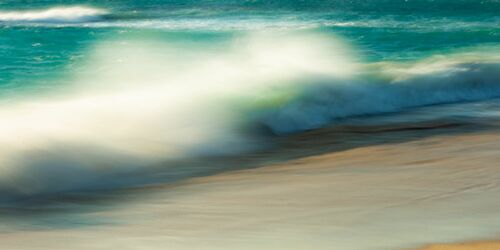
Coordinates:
<point>99,89</point>
<point>381,30</point>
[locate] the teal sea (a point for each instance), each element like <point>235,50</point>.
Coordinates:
<point>38,48</point>
<point>100,96</point>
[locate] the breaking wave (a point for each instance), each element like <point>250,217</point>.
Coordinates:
<point>145,103</point>
<point>329,100</point>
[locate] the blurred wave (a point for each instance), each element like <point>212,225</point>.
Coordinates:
<point>143,103</point>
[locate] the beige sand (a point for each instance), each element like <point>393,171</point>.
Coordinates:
<point>399,195</point>
<point>488,245</point>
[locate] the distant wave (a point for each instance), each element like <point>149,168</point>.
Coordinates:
<point>258,23</point>
<point>93,18</point>
<point>54,15</point>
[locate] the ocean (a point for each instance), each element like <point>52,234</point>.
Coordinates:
<point>101,98</point>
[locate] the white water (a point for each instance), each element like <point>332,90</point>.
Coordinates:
<point>78,16</point>
<point>141,103</point>
<point>144,103</point>
<point>74,14</point>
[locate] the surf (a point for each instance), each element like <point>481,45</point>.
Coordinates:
<point>391,88</point>
<point>137,105</point>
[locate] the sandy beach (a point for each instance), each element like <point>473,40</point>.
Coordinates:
<point>486,245</point>
<point>435,186</point>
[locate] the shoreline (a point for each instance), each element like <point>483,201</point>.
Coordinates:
<point>395,195</point>
<point>475,245</point>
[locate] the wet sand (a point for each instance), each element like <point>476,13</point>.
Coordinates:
<point>431,188</point>
<point>487,245</point>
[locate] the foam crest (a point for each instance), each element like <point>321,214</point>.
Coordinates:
<point>145,103</point>
<point>74,14</point>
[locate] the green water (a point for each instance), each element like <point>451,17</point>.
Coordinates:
<point>35,56</point>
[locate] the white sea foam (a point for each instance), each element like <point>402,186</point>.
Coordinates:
<point>146,102</point>
<point>93,18</point>
<point>74,14</point>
